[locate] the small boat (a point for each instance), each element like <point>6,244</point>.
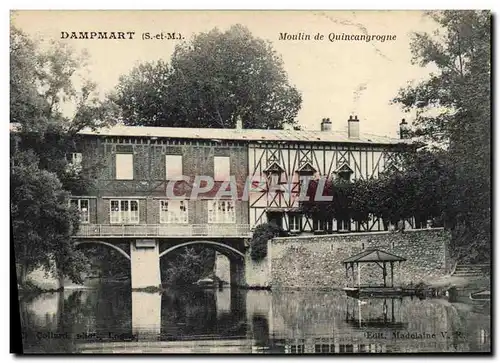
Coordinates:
<point>205,282</point>
<point>482,295</point>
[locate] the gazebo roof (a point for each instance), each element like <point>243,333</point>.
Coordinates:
<point>374,255</point>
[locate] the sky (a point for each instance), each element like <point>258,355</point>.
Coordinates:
<point>336,79</point>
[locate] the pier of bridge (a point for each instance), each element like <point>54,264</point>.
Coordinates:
<point>145,254</point>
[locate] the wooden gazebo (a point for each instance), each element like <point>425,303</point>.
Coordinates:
<point>382,259</point>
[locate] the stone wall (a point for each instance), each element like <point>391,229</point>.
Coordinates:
<point>149,184</point>
<point>257,272</point>
<point>316,261</point>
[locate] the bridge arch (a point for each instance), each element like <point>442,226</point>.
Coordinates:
<point>122,252</point>
<point>220,247</point>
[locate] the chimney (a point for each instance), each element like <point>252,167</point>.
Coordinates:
<point>239,123</point>
<point>326,124</point>
<point>403,129</point>
<point>353,127</point>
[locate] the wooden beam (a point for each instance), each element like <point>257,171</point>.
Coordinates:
<point>392,274</point>
<point>384,273</point>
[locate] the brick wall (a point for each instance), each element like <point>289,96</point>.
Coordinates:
<point>149,175</point>
<point>316,261</point>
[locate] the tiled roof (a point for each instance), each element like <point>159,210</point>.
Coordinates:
<point>373,255</point>
<point>255,135</point>
<point>244,134</point>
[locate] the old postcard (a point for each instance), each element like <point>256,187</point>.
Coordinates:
<point>251,182</point>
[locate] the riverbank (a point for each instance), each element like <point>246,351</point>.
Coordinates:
<point>472,282</point>
<point>459,288</point>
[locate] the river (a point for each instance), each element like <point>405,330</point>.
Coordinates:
<point>113,319</point>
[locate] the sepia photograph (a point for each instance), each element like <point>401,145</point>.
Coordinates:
<point>258,182</point>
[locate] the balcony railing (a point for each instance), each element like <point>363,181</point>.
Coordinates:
<point>164,230</point>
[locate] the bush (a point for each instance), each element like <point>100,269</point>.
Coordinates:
<point>262,234</point>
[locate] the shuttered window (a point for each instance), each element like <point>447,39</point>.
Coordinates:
<point>125,166</point>
<point>173,167</point>
<point>221,168</point>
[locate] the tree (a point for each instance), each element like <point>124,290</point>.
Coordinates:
<point>460,95</point>
<point>42,82</point>
<point>210,82</point>
<point>362,200</point>
<point>261,235</point>
<point>418,190</point>
<point>187,265</point>
<point>42,220</point>
<point>339,207</point>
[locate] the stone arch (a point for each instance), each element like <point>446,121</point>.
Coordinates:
<point>221,247</point>
<point>122,252</point>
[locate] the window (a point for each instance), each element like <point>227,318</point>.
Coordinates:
<point>274,172</point>
<point>275,181</point>
<point>83,206</point>
<point>322,225</point>
<point>125,166</point>
<point>124,211</point>
<point>221,211</point>
<point>76,161</point>
<point>324,348</point>
<point>295,222</point>
<point>344,173</point>
<point>173,167</point>
<point>173,211</point>
<point>344,224</point>
<point>297,349</point>
<point>344,176</point>
<point>276,218</point>
<point>221,168</point>
<point>318,224</point>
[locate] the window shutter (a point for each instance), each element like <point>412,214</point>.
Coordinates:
<point>221,168</point>
<point>125,166</point>
<point>173,167</point>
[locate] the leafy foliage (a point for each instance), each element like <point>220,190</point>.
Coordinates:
<point>42,83</point>
<point>460,94</point>
<point>187,265</point>
<point>210,82</point>
<point>419,191</point>
<point>42,221</point>
<point>107,262</point>
<point>261,235</point>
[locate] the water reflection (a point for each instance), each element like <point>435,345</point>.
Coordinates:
<point>239,321</point>
<point>146,315</point>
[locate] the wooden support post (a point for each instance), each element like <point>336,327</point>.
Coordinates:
<point>359,276</point>
<point>353,277</point>
<point>384,272</point>
<point>392,274</point>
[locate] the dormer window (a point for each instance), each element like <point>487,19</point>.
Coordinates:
<point>344,173</point>
<point>274,168</point>
<point>307,169</point>
<point>273,173</point>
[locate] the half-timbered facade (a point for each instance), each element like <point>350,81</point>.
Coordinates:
<point>285,157</point>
